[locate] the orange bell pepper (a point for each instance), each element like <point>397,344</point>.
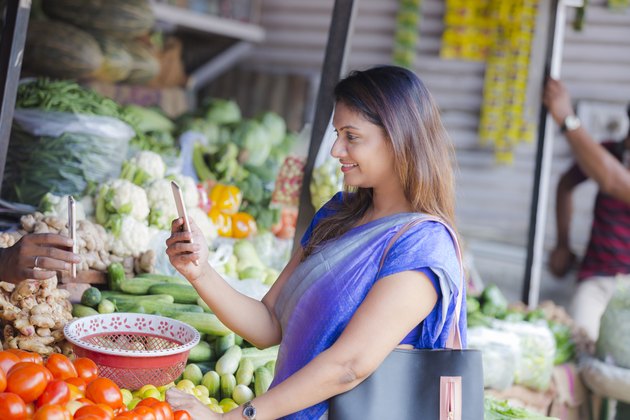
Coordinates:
<point>226,198</point>
<point>243,225</point>
<point>222,221</point>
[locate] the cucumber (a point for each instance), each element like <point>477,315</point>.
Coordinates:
<point>80,311</point>
<point>262,380</point>
<point>106,306</point>
<point>181,292</point>
<point>271,366</point>
<point>91,297</point>
<point>204,323</point>
<point>212,381</point>
<point>245,372</point>
<point>205,367</point>
<point>228,363</point>
<point>115,276</point>
<point>242,394</point>
<point>221,344</point>
<point>163,278</point>
<point>204,305</point>
<point>260,357</point>
<point>228,383</point>
<point>202,352</point>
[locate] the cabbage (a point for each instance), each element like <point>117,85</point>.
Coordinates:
<point>223,111</point>
<point>613,344</point>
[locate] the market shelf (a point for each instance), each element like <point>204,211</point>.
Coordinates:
<point>208,23</point>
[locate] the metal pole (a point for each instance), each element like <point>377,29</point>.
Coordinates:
<point>11,53</point>
<point>339,37</point>
<point>544,153</point>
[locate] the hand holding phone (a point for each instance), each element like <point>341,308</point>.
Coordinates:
<point>181,208</point>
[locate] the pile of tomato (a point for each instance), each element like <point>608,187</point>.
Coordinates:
<point>62,389</point>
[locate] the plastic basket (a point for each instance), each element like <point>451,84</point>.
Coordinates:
<point>133,349</point>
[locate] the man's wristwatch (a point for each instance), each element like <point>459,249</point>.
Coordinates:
<point>249,412</point>
<point>570,123</point>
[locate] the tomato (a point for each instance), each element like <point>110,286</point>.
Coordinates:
<point>79,383</point>
<point>56,392</point>
<point>7,360</point>
<point>86,368</point>
<point>104,390</point>
<point>28,380</point>
<point>27,356</point>
<point>163,410</point>
<point>52,412</point>
<point>144,413</point>
<point>30,410</point>
<point>182,415</point>
<point>12,406</point>
<point>60,366</point>
<point>93,410</point>
<point>3,380</point>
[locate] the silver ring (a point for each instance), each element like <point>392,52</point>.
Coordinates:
<point>36,261</point>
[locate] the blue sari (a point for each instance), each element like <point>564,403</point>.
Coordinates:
<point>325,290</point>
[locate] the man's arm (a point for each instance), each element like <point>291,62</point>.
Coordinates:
<point>562,258</point>
<point>610,174</point>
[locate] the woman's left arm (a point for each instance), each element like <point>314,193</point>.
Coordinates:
<point>394,306</point>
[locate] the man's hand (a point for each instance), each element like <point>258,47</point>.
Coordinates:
<point>561,261</point>
<point>557,100</point>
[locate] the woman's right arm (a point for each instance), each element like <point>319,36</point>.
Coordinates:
<point>250,318</point>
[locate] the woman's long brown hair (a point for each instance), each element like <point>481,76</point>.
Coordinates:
<point>395,99</point>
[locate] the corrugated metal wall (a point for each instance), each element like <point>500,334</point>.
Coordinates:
<point>493,201</point>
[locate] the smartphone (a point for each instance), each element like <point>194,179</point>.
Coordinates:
<point>181,208</point>
<point>72,229</point>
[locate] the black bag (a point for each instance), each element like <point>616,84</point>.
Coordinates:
<point>445,384</point>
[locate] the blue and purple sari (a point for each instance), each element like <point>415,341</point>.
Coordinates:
<point>325,290</point>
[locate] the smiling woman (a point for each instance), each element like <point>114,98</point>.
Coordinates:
<point>365,261</point>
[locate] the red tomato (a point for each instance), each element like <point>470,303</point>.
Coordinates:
<point>126,416</point>
<point>182,415</point>
<point>86,368</point>
<point>27,356</point>
<point>3,380</point>
<point>52,412</point>
<point>144,413</point>
<point>93,410</point>
<point>163,410</point>
<point>12,406</point>
<point>28,380</point>
<point>30,410</point>
<point>60,366</point>
<point>7,360</point>
<point>79,383</point>
<point>104,390</point>
<point>56,392</point>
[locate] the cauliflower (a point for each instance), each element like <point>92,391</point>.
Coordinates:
<point>143,168</point>
<point>162,204</point>
<point>119,198</point>
<point>54,205</point>
<point>202,220</point>
<point>134,238</point>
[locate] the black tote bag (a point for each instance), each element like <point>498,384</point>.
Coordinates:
<point>445,384</point>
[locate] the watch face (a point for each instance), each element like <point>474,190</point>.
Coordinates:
<point>572,122</point>
<point>249,412</point>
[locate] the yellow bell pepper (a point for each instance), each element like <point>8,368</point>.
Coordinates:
<point>222,221</point>
<point>243,225</point>
<point>226,198</point>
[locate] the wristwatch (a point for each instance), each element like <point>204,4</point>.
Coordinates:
<point>570,123</point>
<point>249,411</point>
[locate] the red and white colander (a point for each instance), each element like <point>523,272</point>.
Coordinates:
<point>133,349</point>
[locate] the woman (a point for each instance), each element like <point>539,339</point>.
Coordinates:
<point>336,311</point>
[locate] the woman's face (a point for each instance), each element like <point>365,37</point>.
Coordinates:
<point>362,149</point>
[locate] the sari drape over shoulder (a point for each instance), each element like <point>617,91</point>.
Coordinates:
<point>325,290</point>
